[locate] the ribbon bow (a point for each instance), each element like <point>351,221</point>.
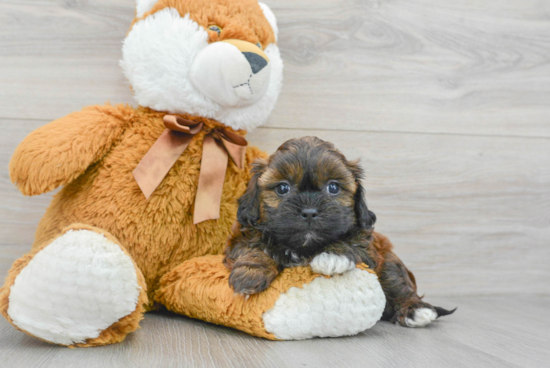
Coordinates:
<point>218,146</point>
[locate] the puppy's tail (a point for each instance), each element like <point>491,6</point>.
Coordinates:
<point>443,312</point>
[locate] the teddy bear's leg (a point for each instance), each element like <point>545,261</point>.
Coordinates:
<point>81,289</point>
<point>299,304</point>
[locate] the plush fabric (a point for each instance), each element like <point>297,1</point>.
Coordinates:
<point>159,72</point>
<point>341,305</point>
<point>104,254</point>
<point>159,232</point>
<point>200,289</point>
<point>83,283</point>
<point>100,191</point>
<point>116,332</point>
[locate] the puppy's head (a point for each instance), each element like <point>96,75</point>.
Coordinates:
<point>306,195</point>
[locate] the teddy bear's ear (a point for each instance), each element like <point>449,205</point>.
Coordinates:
<point>143,6</point>
<point>270,18</point>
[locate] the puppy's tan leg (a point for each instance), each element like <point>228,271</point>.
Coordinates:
<point>403,305</point>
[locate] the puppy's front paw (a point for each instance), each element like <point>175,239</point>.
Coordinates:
<point>249,280</point>
<point>331,264</point>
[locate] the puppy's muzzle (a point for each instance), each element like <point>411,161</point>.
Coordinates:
<point>232,73</point>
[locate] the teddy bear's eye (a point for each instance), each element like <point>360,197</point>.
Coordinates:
<point>259,45</point>
<point>215,28</point>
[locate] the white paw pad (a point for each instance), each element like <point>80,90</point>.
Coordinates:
<point>422,317</point>
<point>73,289</point>
<point>331,264</point>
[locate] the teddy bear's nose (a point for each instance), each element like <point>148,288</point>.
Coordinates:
<point>232,73</point>
<point>256,62</point>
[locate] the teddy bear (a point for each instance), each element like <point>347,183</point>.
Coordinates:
<point>149,194</point>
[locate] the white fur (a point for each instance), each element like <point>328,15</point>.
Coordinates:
<point>143,6</point>
<point>271,19</point>
<point>157,57</point>
<point>342,305</point>
<point>73,289</point>
<point>221,72</point>
<point>331,264</point>
<point>422,317</point>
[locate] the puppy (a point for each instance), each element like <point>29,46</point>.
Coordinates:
<point>305,206</point>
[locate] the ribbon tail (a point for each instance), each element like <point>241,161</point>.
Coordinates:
<point>237,152</point>
<point>211,178</point>
<point>160,158</point>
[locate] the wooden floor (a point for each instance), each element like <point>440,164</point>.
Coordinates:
<point>493,331</point>
<point>447,103</point>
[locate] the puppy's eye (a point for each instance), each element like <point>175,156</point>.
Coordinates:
<point>282,189</point>
<point>333,188</point>
<point>215,28</point>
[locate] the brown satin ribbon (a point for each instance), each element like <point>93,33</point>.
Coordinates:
<point>218,146</point>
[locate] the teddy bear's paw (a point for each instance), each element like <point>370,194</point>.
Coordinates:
<point>331,264</point>
<point>341,305</point>
<point>421,317</point>
<point>74,288</point>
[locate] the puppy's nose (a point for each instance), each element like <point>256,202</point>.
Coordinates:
<point>309,214</point>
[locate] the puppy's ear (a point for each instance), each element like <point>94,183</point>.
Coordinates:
<point>249,204</point>
<point>365,218</point>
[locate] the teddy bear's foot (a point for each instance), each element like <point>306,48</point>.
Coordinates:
<point>82,289</point>
<point>299,304</point>
<point>342,305</point>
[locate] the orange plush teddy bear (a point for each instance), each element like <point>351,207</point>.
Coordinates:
<point>150,194</point>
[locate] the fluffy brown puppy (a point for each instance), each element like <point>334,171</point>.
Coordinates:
<point>305,206</point>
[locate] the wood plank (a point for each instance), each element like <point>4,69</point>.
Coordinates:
<point>416,66</point>
<point>408,66</point>
<point>469,215</point>
<point>484,332</point>
<point>57,57</point>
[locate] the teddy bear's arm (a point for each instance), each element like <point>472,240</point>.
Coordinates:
<point>58,152</point>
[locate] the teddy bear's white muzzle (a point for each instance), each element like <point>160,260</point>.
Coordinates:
<point>231,74</point>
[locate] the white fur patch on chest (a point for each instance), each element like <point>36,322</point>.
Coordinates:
<point>342,305</point>
<point>73,289</point>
